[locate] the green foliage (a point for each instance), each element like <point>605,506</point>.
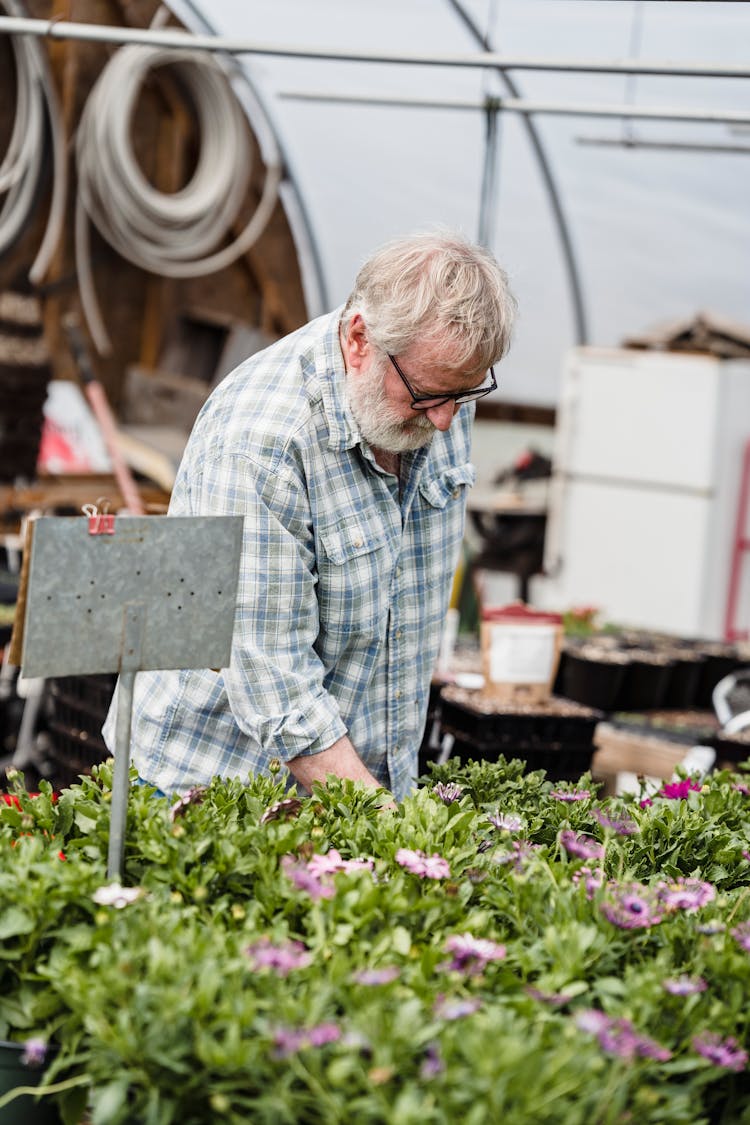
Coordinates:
<point>162,1013</point>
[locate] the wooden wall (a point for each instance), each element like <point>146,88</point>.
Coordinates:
<point>147,317</point>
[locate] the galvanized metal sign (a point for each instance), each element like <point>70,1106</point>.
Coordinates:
<point>179,574</point>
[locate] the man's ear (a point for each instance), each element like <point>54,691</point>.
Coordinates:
<point>357,343</point>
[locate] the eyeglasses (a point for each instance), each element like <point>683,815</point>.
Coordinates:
<point>425,402</point>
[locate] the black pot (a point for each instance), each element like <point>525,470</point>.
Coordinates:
<point>719,662</point>
<point>24,1110</point>
<point>682,687</point>
<point>644,684</point>
<point>595,683</point>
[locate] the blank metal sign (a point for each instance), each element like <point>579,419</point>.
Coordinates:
<point>180,572</point>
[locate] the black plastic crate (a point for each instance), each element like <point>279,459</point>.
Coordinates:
<point>77,707</point>
<point>506,727</point>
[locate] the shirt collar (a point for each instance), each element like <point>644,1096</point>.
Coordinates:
<point>343,432</point>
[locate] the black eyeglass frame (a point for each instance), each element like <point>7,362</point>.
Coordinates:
<point>426,402</point>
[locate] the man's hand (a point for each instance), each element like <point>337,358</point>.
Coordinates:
<point>340,759</point>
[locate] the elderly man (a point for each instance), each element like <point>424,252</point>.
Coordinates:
<point>345,446</point>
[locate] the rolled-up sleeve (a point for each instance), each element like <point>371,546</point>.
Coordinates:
<point>275,683</point>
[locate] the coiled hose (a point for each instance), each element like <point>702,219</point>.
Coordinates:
<point>22,167</point>
<point>171,234</point>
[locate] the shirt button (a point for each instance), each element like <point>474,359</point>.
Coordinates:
<point>358,541</point>
<point>398,571</point>
<point>456,493</point>
<point>397,634</point>
<point>398,693</point>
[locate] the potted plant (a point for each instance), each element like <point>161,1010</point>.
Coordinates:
<point>499,947</point>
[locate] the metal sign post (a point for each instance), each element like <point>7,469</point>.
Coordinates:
<point>127,595</point>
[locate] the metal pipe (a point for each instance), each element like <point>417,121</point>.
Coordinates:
<point>526,105</point>
<point>528,124</point>
<point>67,29</point>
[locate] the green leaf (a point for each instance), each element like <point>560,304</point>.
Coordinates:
<point>108,1101</point>
<point>401,940</point>
<point>15,921</point>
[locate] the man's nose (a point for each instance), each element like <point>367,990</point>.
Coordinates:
<point>442,416</point>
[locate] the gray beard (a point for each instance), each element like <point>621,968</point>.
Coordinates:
<point>379,423</point>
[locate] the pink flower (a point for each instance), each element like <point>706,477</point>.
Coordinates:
<point>316,875</point>
<point>631,906</point>
<point>686,894</point>
<point>456,1008</point>
<point>619,1037</point>
<point>623,825</point>
<point>289,1040</point>
<point>570,795</point>
<point>34,1052</point>
<point>581,846</point>
<point>721,1052</point>
<point>384,975</point>
<point>448,791</point>
<point>505,822</point>
<point>678,790</point>
<point>593,879</point>
<point>471,955</point>
<point>741,935</point>
<point>282,958</point>
<point>304,879</point>
<point>426,867</point>
<point>684,985</point>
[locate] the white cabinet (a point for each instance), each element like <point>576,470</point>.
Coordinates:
<point>643,502</point>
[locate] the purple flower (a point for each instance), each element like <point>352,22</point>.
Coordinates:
<point>471,955</point>
<point>584,847</point>
<point>721,1052</point>
<point>593,879</point>
<point>623,825</point>
<point>746,855</point>
<point>554,999</point>
<point>323,1033</point>
<point>433,1062</point>
<point>304,879</point>
<point>426,867</point>
<point>711,928</point>
<point>678,790</point>
<point>287,809</point>
<point>282,959</point>
<point>619,1037</point>
<point>522,850</point>
<point>288,1040</point>
<point>686,894</point>
<point>741,935</point>
<point>315,875</point>
<point>34,1052</point>
<point>194,796</point>
<point>456,1008</point>
<point>377,976</point>
<point>331,863</point>
<point>631,906</point>
<point>448,791</point>
<point>570,795</point>
<point>684,985</point>
<point>742,788</point>
<point>505,822</point>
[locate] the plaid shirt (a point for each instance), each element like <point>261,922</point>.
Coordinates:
<point>344,578</point>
